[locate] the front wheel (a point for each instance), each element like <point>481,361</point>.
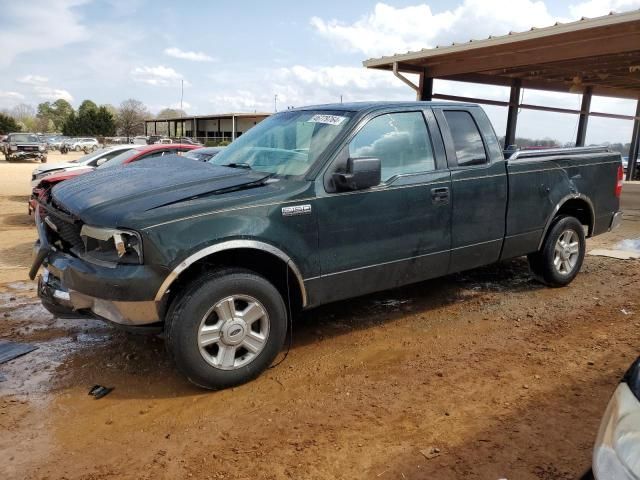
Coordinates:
<point>78,148</point>
<point>226,328</point>
<point>562,253</point>
<point>43,159</point>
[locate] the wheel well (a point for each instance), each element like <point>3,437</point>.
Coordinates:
<point>263,263</point>
<point>580,209</point>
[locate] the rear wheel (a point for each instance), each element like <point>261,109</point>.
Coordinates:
<point>226,328</point>
<point>562,253</point>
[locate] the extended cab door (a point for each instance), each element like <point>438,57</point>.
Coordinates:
<point>479,186</point>
<point>398,232</point>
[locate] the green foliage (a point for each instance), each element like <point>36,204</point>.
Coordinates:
<point>217,143</point>
<point>8,124</point>
<point>55,114</point>
<point>90,120</point>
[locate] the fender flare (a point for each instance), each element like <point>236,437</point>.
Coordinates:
<point>563,200</point>
<point>232,245</point>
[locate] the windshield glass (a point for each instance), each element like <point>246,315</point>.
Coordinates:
<point>23,137</point>
<point>90,156</point>
<point>120,159</point>
<point>287,143</point>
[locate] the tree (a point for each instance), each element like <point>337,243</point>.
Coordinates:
<point>57,112</point>
<point>86,107</point>
<point>131,116</point>
<point>8,124</point>
<point>23,112</point>
<point>90,121</point>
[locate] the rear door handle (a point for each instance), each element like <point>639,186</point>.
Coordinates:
<point>440,196</point>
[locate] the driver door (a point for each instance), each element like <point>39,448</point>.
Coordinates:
<point>398,232</point>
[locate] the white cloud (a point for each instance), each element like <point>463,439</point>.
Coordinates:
<point>597,8</point>
<point>388,30</point>
<point>183,55</point>
<point>32,80</point>
<point>51,94</point>
<point>11,96</point>
<point>39,25</point>
<point>157,76</point>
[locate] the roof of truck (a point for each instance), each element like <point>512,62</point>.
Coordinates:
<point>360,106</point>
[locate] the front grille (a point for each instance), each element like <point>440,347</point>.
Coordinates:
<point>67,232</point>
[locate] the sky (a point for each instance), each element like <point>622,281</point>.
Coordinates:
<point>238,56</point>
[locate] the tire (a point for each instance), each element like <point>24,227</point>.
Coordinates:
<point>226,361</point>
<point>43,159</point>
<point>559,268</point>
<point>78,148</point>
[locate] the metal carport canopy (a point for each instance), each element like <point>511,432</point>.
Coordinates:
<point>597,56</point>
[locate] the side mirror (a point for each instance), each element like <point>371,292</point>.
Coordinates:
<point>101,161</point>
<point>361,173</point>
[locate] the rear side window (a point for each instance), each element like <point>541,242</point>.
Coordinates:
<point>466,138</point>
<point>399,140</point>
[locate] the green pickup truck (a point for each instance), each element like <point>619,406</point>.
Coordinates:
<point>311,206</point>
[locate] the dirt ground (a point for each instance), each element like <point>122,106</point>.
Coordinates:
<point>480,375</point>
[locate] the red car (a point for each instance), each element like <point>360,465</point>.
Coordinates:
<point>133,155</point>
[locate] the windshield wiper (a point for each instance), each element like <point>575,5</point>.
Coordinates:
<point>244,165</point>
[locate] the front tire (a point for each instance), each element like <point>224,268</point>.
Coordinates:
<point>226,328</point>
<point>78,148</point>
<point>562,253</point>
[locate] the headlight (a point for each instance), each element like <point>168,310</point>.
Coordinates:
<point>112,245</point>
<point>41,148</point>
<point>13,147</point>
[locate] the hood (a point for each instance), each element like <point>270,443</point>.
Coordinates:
<point>50,167</point>
<point>106,196</point>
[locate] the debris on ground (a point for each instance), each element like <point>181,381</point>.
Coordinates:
<point>618,254</point>
<point>10,350</point>
<point>98,391</point>
<point>431,452</point>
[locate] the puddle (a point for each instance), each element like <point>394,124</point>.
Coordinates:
<point>629,245</point>
<point>56,339</point>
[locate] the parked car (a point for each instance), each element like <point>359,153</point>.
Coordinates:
<point>311,206</point>
<point>93,159</point>
<point>20,146</point>
<point>87,144</point>
<point>125,154</point>
<point>83,164</point>
<point>189,141</point>
<point>204,154</point>
<point>164,141</point>
<point>616,454</point>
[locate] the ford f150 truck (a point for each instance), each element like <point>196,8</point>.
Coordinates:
<point>311,206</point>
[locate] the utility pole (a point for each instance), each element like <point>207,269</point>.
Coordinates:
<point>275,102</point>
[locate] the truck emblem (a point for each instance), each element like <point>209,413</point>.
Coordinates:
<point>296,210</point>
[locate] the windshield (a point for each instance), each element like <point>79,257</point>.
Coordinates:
<point>120,159</point>
<point>287,143</point>
<point>23,137</point>
<point>90,156</point>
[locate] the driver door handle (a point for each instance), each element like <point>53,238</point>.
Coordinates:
<point>440,196</point>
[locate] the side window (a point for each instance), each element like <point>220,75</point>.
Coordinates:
<point>399,140</point>
<point>466,138</point>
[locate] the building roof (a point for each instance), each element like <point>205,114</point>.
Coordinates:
<point>602,53</point>
<point>213,116</point>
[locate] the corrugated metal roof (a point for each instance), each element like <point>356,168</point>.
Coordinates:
<point>512,37</point>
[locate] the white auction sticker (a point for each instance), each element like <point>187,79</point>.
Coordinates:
<point>328,119</point>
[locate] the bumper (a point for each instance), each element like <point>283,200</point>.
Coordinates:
<point>123,294</point>
<point>52,291</point>
<point>34,154</point>
<point>616,221</point>
<point>618,441</point>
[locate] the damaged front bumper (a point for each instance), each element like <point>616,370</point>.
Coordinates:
<point>52,291</point>
<point>122,294</point>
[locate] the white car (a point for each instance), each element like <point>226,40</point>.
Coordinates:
<point>93,159</point>
<point>616,454</point>
<point>79,144</point>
